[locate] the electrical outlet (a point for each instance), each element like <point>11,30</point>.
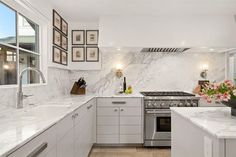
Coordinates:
<point>208,147</point>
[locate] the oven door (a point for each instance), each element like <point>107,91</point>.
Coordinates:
<point>158,125</point>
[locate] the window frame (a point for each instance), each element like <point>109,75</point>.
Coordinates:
<point>23,10</point>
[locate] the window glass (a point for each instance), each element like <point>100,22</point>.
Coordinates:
<point>27,34</point>
<point>7,25</point>
<point>29,60</point>
<point>8,72</point>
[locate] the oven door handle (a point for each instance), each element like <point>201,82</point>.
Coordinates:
<point>157,112</point>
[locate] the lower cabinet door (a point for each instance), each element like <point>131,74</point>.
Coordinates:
<point>65,147</point>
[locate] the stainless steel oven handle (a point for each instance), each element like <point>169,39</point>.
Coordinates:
<point>157,112</point>
<point>38,150</point>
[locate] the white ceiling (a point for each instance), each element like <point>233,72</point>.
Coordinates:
<point>91,10</point>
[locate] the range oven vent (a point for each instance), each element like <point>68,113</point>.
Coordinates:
<point>174,50</point>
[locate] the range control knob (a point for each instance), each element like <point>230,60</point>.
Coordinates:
<point>180,104</point>
<point>172,104</point>
<point>188,104</point>
<point>162,105</point>
<point>149,105</point>
<point>194,104</point>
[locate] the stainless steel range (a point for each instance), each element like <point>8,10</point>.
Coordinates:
<point>158,114</point>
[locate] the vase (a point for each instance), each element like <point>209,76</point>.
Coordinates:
<point>231,103</point>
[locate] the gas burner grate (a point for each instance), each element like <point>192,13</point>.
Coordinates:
<point>170,93</point>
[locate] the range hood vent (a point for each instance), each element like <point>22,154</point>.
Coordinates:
<point>171,50</point>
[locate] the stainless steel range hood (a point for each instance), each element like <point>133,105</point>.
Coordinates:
<point>168,50</point>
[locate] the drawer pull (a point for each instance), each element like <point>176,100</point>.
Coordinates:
<point>118,102</point>
<point>115,110</point>
<point>122,110</point>
<point>38,150</point>
<point>90,106</point>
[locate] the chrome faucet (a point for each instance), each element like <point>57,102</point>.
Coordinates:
<point>20,96</point>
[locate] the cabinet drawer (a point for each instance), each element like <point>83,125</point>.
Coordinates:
<point>42,144</point>
<point>103,120</point>
<point>107,111</point>
<point>136,120</point>
<point>64,126</point>
<point>108,139</point>
<point>130,111</point>
<point>119,101</point>
<point>131,139</point>
<point>107,130</point>
<point>130,130</point>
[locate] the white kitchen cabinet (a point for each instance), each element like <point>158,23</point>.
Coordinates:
<point>119,120</point>
<point>44,145</point>
<point>85,129</point>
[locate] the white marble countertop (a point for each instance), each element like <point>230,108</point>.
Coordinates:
<point>18,126</point>
<point>217,121</point>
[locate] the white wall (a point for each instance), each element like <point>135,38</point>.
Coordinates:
<point>167,31</point>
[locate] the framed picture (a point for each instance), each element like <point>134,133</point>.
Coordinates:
<point>64,58</point>
<point>56,20</point>
<point>92,37</point>
<point>56,37</point>
<point>78,37</point>
<point>56,55</point>
<point>64,42</point>
<point>92,54</point>
<point>78,54</point>
<point>64,27</point>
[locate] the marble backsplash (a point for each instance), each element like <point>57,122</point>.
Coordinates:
<point>144,71</point>
<point>153,71</point>
<point>58,85</point>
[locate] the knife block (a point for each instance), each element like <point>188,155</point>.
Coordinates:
<point>77,90</point>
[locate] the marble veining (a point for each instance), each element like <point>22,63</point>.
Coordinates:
<point>153,71</point>
<point>18,126</point>
<point>215,120</point>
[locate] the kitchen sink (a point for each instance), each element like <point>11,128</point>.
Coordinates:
<point>45,111</point>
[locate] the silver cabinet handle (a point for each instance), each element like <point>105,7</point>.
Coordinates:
<point>90,106</point>
<point>118,102</point>
<point>38,150</point>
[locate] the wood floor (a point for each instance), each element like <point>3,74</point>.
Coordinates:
<point>129,152</point>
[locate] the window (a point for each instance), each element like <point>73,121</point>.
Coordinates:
<point>232,67</point>
<point>19,47</point>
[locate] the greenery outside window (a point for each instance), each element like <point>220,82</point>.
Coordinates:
<point>19,46</point>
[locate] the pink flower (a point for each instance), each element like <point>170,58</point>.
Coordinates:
<point>226,96</point>
<point>229,83</point>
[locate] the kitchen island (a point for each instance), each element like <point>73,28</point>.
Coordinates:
<point>203,132</point>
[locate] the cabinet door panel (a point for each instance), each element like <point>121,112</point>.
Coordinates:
<point>131,120</point>
<point>65,147</point>
<point>107,120</point>
<point>130,130</point>
<point>46,141</point>
<point>107,130</point>
<point>64,126</point>
<point>119,101</point>
<point>107,139</point>
<point>108,111</point>
<point>130,111</point>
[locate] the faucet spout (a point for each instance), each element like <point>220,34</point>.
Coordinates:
<point>19,103</point>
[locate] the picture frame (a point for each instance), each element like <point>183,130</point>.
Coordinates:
<point>56,20</point>
<point>56,55</point>
<point>92,54</point>
<point>64,58</point>
<point>92,37</point>
<point>78,37</point>
<point>56,37</point>
<point>64,42</point>
<point>78,54</point>
<point>64,27</point>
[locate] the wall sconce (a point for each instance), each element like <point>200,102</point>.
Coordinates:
<point>119,72</point>
<point>204,68</point>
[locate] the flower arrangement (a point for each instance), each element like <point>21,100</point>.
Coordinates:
<point>220,92</point>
